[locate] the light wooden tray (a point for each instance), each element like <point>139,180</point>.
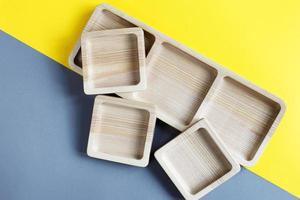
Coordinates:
<point>121,131</point>
<point>185,87</point>
<point>197,161</point>
<point>113,61</point>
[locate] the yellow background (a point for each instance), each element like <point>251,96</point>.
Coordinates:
<point>260,40</point>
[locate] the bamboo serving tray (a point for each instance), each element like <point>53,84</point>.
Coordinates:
<point>121,131</point>
<point>197,161</point>
<point>113,61</point>
<point>185,87</point>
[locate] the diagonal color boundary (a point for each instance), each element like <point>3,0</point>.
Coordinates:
<point>262,47</point>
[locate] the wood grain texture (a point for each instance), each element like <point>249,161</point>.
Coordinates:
<point>121,131</point>
<point>104,19</point>
<point>196,161</point>
<point>186,86</point>
<point>242,117</point>
<point>113,61</point>
<point>179,83</point>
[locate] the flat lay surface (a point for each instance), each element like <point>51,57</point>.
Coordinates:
<point>262,47</point>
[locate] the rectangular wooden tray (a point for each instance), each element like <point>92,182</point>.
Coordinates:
<point>185,87</point>
<point>113,61</point>
<point>197,161</point>
<point>121,131</point>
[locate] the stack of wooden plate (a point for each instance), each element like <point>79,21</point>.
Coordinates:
<point>226,120</point>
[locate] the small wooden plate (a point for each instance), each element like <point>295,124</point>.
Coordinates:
<point>197,161</point>
<point>186,86</point>
<point>121,131</point>
<point>113,61</point>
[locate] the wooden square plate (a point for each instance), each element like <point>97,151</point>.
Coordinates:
<point>197,161</point>
<point>121,131</point>
<point>113,61</point>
